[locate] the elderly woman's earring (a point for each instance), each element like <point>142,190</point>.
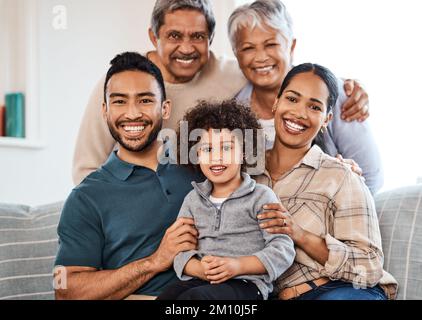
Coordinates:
<point>323,130</point>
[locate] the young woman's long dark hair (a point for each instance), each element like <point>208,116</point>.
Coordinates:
<point>330,81</point>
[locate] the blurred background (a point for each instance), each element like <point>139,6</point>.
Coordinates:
<point>56,51</point>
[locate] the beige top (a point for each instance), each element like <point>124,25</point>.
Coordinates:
<point>219,80</point>
<point>327,199</point>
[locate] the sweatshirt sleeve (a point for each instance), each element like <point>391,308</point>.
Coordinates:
<point>183,258</point>
<point>94,142</point>
<point>279,252</point>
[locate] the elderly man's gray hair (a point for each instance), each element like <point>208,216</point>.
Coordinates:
<point>162,7</point>
<point>261,13</point>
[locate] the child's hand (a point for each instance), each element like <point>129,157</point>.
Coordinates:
<point>220,269</point>
<point>205,262</point>
<point>195,268</point>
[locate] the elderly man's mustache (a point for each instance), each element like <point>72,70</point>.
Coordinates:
<point>186,57</point>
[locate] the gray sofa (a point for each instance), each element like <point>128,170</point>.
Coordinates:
<point>28,245</point>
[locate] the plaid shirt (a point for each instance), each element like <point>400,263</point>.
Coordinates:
<point>327,199</point>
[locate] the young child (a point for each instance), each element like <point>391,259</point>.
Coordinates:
<point>235,258</point>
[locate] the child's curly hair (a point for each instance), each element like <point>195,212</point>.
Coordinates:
<point>228,114</point>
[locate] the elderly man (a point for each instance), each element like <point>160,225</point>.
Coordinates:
<point>182,32</point>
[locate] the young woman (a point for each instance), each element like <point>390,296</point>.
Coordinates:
<point>262,39</point>
<point>330,212</point>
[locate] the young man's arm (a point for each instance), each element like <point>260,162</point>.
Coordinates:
<point>90,284</point>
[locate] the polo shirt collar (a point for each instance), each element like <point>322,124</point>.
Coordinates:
<point>118,168</point>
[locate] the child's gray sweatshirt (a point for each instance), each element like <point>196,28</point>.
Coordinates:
<point>233,231</point>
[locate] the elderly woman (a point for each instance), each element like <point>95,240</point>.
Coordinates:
<point>262,39</point>
<point>330,213</point>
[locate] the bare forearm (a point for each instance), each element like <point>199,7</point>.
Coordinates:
<point>251,265</point>
<point>315,247</point>
<point>108,284</point>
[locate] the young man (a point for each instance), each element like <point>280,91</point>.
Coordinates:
<point>182,32</point>
<point>112,234</point>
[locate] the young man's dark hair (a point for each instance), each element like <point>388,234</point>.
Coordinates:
<point>132,61</point>
<point>228,114</point>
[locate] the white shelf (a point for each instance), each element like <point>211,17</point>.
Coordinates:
<point>19,64</point>
<point>20,143</point>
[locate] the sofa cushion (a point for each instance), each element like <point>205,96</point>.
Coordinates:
<point>400,213</point>
<point>28,246</point>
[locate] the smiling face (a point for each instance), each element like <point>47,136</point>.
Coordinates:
<point>134,110</point>
<point>220,156</point>
<point>182,45</point>
<point>302,111</point>
<point>264,55</point>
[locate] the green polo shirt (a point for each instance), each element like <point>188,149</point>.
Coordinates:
<point>119,214</point>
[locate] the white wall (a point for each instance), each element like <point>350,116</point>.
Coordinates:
<point>222,9</point>
<point>71,62</point>
<point>3,70</point>
<point>11,47</point>
<point>2,59</point>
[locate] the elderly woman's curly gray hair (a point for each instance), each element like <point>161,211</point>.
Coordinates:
<point>261,13</point>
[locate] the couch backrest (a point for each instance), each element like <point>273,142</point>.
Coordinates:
<point>28,246</point>
<point>400,213</point>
